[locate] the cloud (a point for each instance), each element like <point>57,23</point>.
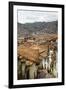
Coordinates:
<point>36,16</point>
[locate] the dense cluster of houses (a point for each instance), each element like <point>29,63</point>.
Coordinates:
<point>37,58</point>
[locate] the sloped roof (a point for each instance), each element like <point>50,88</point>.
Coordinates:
<point>28,53</point>
<point>33,52</point>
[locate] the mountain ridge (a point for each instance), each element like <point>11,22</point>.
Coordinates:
<point>37,27</point>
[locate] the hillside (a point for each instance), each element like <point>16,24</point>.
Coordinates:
<point>37,28</point>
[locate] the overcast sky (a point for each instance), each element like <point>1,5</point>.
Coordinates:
<point>25,16</point>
